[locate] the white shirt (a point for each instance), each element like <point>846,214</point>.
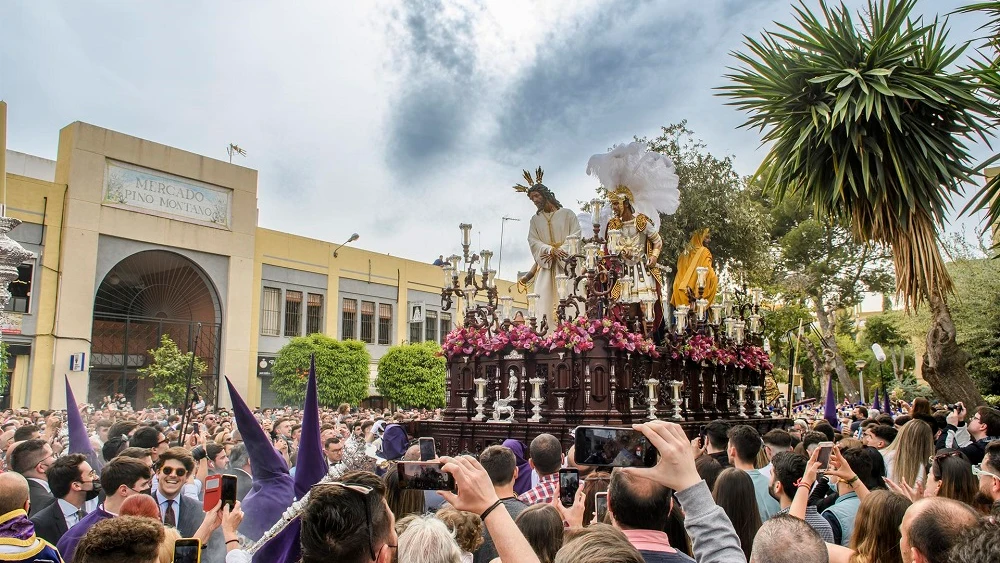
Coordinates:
<point>70,513</point>
<point>162,501</point>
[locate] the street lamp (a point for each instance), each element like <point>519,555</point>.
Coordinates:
<point>880,356</point>
<point>860,364</point>
<point>353,238</point>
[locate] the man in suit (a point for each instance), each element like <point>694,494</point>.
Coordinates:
<point>73,482</point>
<point>239,465</point>
<point>32,458</point>
<point>181,511</point>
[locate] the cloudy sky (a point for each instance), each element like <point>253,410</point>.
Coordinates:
<point>394,119</point>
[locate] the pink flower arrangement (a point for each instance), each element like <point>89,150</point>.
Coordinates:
<point>465,341</point>
<point>578,335</point>
<point>755,358</point>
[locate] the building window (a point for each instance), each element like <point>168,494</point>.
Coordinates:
<point>416,332</point>
<point>348,318</point>
<point>270,318</point>
<point>20,290</point>
<point>314,313</point>
<point>384,324</point>
<point>368,322</point>
<point>445,326</point>
<point>293,313</point>
<point>431,326</point>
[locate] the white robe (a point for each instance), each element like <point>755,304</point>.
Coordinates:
<point>545,232</point>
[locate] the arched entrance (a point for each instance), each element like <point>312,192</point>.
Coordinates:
<point>143,297</point>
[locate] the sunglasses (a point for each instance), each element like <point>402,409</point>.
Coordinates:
<point>364,492</point>
<point>167,470</point>
<point>978,470</point>
<point>936,458</point>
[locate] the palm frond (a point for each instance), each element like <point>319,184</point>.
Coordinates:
<point>869,122</point>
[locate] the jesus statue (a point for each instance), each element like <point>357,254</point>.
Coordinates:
<point>547,233</point>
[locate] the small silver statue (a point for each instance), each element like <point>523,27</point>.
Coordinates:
<point>502,406</point>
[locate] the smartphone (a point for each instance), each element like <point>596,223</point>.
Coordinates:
<point>424,476</point>
<point>428,450</point>
<point>825,449</point>
<point>187,550</point>
<point>228,490</point>
<point>569,483</point>
<point>196,430</point>
<point>213,492</point>
<point>601,505</point>
<point>615,447</point>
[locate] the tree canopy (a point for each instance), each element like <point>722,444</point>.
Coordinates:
<point>713,196</point>
<point>169,372</point>
<point>341,370</point>
<point>412,375</point>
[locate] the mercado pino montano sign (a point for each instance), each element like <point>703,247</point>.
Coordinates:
<point>158,193</point>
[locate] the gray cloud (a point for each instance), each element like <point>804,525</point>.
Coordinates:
<point>435,52</point>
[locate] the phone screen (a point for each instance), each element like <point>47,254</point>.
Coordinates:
<point>617,447</point>
<point>569,483</point>
<point>229,490</point>
<point>601,505</point>
<point>428,451</point>
<point>187,551</point>
<point>825,449</point>
<point>424,476</point>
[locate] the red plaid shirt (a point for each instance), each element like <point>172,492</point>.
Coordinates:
<point>544,491</point>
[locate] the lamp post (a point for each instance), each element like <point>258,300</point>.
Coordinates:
<point>880,356</point>
<point>353,238</point>
<point>503,222</point>
<point>860,365</point>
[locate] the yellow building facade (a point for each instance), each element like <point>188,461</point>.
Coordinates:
<point>134,240</point>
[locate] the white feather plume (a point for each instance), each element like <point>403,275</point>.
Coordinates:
<point>650,176</point>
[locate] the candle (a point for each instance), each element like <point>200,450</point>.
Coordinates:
<point>573,245</point>
<point>595,211</point>
<point>757,296</point>
<point>590,249</point>
<point>455,259</point>
<point>716,314</point>
<point>562,284</point>
<point>702,276</point>
<point>532,305</point>
<point>466,231</point>
<point>506,306</point>
<point>754,324</point>
<point>448,275</point>
<point>486,255</point>
<point>701,308</point>
<point>614,239</point>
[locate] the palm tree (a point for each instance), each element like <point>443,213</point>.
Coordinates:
<point>869,124</point>
<point>986,68</point>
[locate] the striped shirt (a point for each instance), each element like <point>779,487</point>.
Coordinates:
<point>818,523</point>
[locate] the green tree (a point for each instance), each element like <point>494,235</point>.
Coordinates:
<point>412,375</point>
<point>341,370</point>
<point>169,372</point>
<point>986,69</point>
<point>781,326</point>
<point>869,125</point>
<point>714,196</point>
<point>4,362</point>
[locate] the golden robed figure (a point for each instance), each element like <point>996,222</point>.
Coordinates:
<point>695,255</point>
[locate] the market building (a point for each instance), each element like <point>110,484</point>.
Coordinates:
<point>132,240</point>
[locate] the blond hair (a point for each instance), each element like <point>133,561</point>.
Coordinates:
<point>170,536</point>
<point>911,448</point>
<point>466,526</point>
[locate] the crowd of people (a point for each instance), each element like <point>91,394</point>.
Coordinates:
<point>920,485</point>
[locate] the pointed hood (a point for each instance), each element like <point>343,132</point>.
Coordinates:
<point>394,443</point>
<point>830,405</point>
<point>886,406</point>
<point>523,482</point>
<point>79,442</point>
<point>272,490</point>
<point>877,400</point>
<point>310,467</point>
